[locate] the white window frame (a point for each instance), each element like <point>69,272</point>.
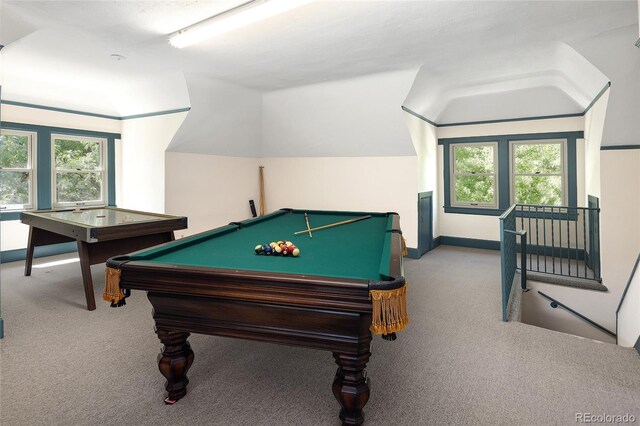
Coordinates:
<point>452,178</point>
<point>563,174</point>
<point>102,168</point>
<point>31,169</point>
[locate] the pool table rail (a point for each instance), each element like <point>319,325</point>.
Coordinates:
<point>324,329</point>
<point>291,289</point>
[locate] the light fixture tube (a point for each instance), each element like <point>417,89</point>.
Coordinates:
<point>238,17</point>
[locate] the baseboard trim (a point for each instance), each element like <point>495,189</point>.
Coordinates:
<point>469,242</point>
<point>50,250</point>
<point>413,253</point>
<point>532,250</point>
<point>436,242</point>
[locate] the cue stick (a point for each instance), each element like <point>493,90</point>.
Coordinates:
<point>261,178</point>
<point>331,225</point>
<point>306,218</point>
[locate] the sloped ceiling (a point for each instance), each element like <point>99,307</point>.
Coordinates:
<point>82,76</point>
<point>544,80</point>
<point>225,119</point>
<point>615,54</point>
<point>468,52</point>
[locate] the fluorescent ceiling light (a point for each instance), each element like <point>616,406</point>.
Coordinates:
<point>238,17</point>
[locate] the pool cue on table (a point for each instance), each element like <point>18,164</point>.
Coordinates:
<point>331,225</point>
<point>261,177</point>
<point>306,218</point>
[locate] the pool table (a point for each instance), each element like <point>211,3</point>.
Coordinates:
<point>99,233</point>
<point>214,283</point>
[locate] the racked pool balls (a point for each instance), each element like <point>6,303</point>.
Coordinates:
<point>279,248</point>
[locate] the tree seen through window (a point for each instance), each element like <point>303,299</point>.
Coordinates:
<point>15,170</point>
<point>538,173</point>
<point>474,174</point>
<point>78,170</point>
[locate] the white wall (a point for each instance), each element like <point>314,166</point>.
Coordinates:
<point>629,315</point>
<point>571,124</point>
<point>14,234</point>
<point>210,190</point>
<point>42,117</point>
<point>425,142</point>
<point>377,184</point>
<point>142,167</point>
<point>594,121</point>
<point>487,227</point>
<point>619,224</point>
<point>342,145</point>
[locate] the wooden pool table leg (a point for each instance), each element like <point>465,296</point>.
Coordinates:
<point>351,386</point>
<point>174,361</point>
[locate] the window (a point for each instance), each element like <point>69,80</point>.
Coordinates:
<point>17,157</point>
<point>474,179</point>
<point>78,170</point>
<point>537,172</point>
<point>485,174</point>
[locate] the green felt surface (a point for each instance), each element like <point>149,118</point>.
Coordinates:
<point>353,250</point>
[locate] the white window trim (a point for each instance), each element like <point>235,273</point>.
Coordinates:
<point>31,168</point>
<point>452,179</point>
<point>102,169</point>
<point>563,174</point>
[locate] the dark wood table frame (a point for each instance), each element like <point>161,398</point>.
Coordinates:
<point>97,244</point>
<point>322,313</point>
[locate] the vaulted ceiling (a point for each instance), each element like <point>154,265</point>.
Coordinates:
<point>468,52</point>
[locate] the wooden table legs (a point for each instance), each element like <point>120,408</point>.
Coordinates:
<point>40,237</point>
<point>174,361</point>
<point>351,386</point>
<point>87,281</point>
<point>28,261</point>
<point>91,253</point>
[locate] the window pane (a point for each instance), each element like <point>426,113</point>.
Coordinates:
<point>475,189</point>
<point>542,190</point>
<point>14,187</point>
<point>73,187</point>
<point>14,151</point>
<point>473,159</point>
<point>74,154</point>
<point>538,158</point>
